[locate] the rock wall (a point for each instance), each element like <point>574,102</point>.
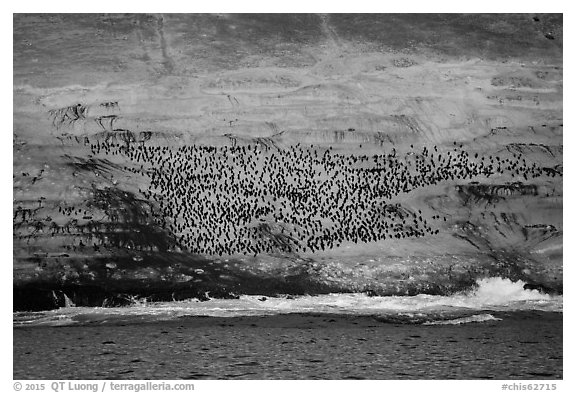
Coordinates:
<point>484,91</point>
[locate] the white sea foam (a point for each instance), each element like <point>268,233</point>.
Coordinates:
<point>491,294</point>
<point>470,319</point>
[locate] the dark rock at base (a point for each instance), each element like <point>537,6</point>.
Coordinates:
<point>542,289</point>
<point>222,293</point>
<point>31,299</point>
<point>203,297</point>
<point>371,293</point>
<point>120,300</point>
<point>47,296</point>
<point>40,297</point>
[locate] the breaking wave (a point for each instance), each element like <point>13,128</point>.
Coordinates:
<point>491,295</point>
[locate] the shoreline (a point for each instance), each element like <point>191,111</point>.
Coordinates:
<point>45,296</point>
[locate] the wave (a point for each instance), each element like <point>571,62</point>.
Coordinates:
<point>491,294</point>
<point>459,321</point>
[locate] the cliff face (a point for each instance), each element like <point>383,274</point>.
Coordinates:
<point>169,156</point>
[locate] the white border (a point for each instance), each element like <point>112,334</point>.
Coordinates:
<point>307,7</point>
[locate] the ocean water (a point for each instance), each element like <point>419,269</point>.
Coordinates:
<point>498,331</point>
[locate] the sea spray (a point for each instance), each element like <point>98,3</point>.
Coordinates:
<point>497,290</point>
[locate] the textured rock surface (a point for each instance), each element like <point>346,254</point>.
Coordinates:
<point>362,84</point>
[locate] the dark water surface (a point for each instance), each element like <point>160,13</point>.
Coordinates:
<point>522,345</point>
